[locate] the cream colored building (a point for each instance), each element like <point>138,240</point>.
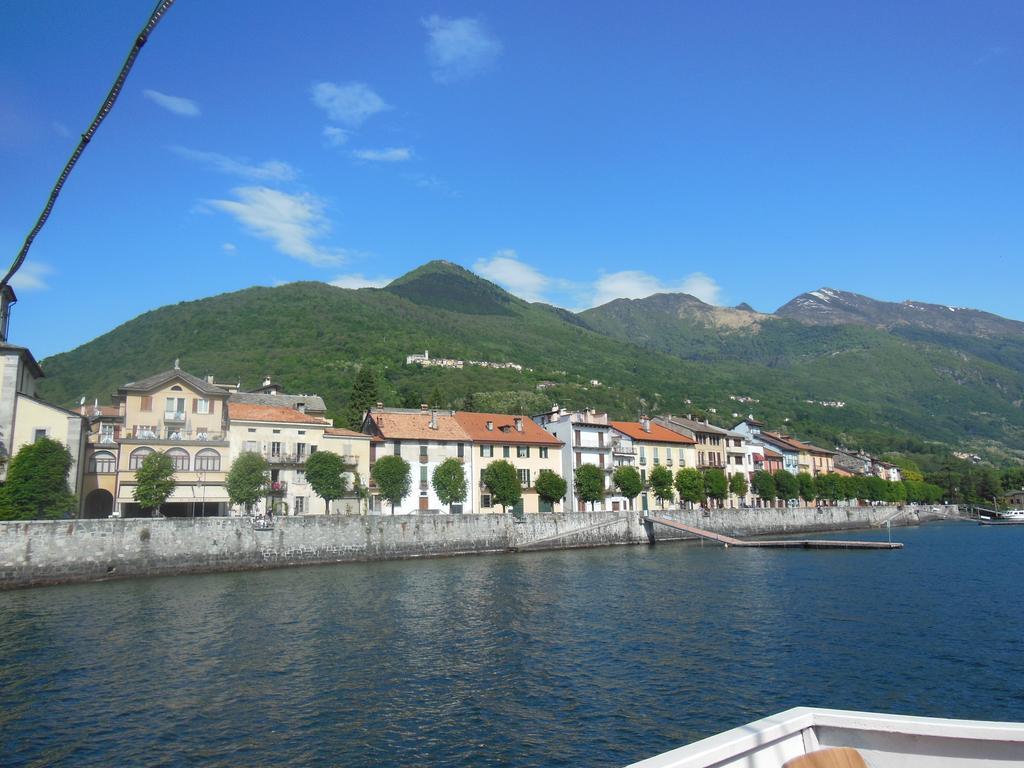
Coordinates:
<point>645,445</point>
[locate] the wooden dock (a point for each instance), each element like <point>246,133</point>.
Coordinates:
<point>729,541</point>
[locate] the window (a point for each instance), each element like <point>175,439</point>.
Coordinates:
<point>146,403</point>
<point>423,450</point>
<point>485,500</point>
<point>275,450</point>
<point>600,439</point>
<point>423,474</point>
<point>207,460</point>
<point>656,459</point>
<point>38,435</point>
<point>398,447</point>
<point>102,462</point>
<point>302,431</point>
<point>276,431</point>
<point>643,455</point>
<point>506,451</point>
<point>179,457</point>
<point>300,475</point>
<point>300,450</point>
<point>579,458</point>
<point>312,450</point>
<point>524,477</point>
<point>300,505</point>
<point>462,450</point>
<point>201,405</point>
<point>137,456</point>
<point>643,476</point>
<point>579,440</point>
<point>487,451</point>
<point>522,451</point>
<point>174,410</point>
<point>543,453</point>
<point>252,446</point>
<point>106,433</point>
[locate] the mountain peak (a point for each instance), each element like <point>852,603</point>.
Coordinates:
<point>445,285</point>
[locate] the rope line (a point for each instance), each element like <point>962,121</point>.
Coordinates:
<point>108,104</point>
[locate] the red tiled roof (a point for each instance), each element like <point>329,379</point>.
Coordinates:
<point>657,434</point>
<point>415,425</point>
<point>504,429</point>
<point>250,412</point>
<point>339,432</point>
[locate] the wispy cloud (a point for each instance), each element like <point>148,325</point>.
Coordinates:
<point>32,276</point>
<point>335,136</point>
<point>459,48</point>
<point>390,155</point>
<point>356,280</point>
<point>350,104</point>
<point>432,184</point>
<point>634,284</point>
<point>505,269</point>
<point>229,248</point>
<point>176,104</point>
<point>293,223</point>
<point>270,170</point>
<point>60,129</point>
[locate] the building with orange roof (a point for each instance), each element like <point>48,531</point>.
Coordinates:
<point>517,440</point>
<point>645,445</point>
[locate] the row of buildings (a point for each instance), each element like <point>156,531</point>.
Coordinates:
<point>203,424</point>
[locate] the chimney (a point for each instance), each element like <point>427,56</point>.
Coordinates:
<point>518,421</point>
<point>424,407</point>
<point>380,406</point>
<point>176,366</point>
<point>490,426</point>
<point>209,378</point>
<point>433,419</point>
<point>300,407</point>
<point>645,423</point>
<point>266,381</point>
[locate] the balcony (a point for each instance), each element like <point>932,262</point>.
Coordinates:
<point>155,434</point>
<point>668,462</point>
<point>643,461</point>
<point>278,488</point>
<point>174,417</point>
<point>285,458</point>
<point>623,450</point>
<point>424,485</point>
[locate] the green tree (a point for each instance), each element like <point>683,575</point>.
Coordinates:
<point>738,486</point>
<point>502,482</point>
<point>247,480</point>
<point>37,483</point>
<point>364,396</point>
<point>393,478</point>
<point>690,484</point>
<point>155,481</point>
<point>764,486</point>
<point>551,487</point>
<point>716,484</point>
<point>436,398</point>
<point>627,480</point>
<point>909,470</point>
<point>661,483</point>
<point>806,484</point>
<point>449,481</point>
<point>589,484</point>
<point>827,487</point>
<point>876,489</point>
<point>325,475</point>
<point>786,485</point>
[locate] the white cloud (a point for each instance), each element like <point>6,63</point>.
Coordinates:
<point>432,184</point>
<point>335,137</point>
<point>356,280</point>
<point>60,129</point>
<point>229,248</point>
<point>350,104</point>
<point>505,269</point>
<point>270,170</point>
<point>634,284</point>
<point>292,222</point>
<point>176,104</point>
<point>459,48</point>
<point>390,155</point>
<point>31,277</point>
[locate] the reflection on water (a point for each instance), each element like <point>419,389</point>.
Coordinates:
<point>588,657</point>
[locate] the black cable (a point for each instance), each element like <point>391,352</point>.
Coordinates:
<point>108,104</point>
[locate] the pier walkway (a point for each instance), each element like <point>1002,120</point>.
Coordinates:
<point>729,541</point>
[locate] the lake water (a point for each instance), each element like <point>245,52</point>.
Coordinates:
<point>583,658</point>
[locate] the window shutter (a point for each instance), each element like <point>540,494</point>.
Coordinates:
<point>147,403</point>
<point>195,405</point>
<point>213,406</point>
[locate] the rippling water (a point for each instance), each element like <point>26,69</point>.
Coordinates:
<point>588,657</point>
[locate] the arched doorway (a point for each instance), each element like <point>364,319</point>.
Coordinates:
<point>98,504</point>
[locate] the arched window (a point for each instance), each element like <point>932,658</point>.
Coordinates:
<point>180,458</point>
<point>208,460</point>
<point>137,456</point>
<point>102,462</point>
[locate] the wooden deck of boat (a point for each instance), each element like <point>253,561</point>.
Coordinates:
<point>730,541</point>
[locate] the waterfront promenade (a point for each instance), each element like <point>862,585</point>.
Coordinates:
<point>49,552</point>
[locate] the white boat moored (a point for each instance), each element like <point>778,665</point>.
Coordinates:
<point>884,741</point>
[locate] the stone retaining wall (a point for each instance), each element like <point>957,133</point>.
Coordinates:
<point>82,550</point>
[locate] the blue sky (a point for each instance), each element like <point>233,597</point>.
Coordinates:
<point>573,152</point>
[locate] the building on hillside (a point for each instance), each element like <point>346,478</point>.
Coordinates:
<point>517,440</point>
<point>710,440</point>
<point>645,445</point>
<point>846,462</point>
<point>812,459</point>
<point>424,437</point>
<point>755,433</point>
<point>587,439</point>
<point>885,470</point>
<point>175,413</point>
<point>766,458</point>
<point>271,394</point>
<point>354,448</point>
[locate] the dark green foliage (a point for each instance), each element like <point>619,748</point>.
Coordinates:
<point>738,485</point>
<point>525,403</point>
<point>589,484</point>
<point>806,486</point>
<point>764,486</point>
<point>786,485</point>
<point>449,481</point>
<point>550,486</point>
<point>247,480</point>
<point>155,477</point>
<point>324,475</point>
<point>393,478</point>
<point>436,399</point>
<point>627,480</point>
<point>690,484</point>
<point>716,485</point>
<point>363,397</point>
<point>660,479</point>
<point>37,483</point>
<point>828,487</point>
<point>502,482</point>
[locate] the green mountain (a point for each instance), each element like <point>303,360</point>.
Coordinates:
<point>900,387</point>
